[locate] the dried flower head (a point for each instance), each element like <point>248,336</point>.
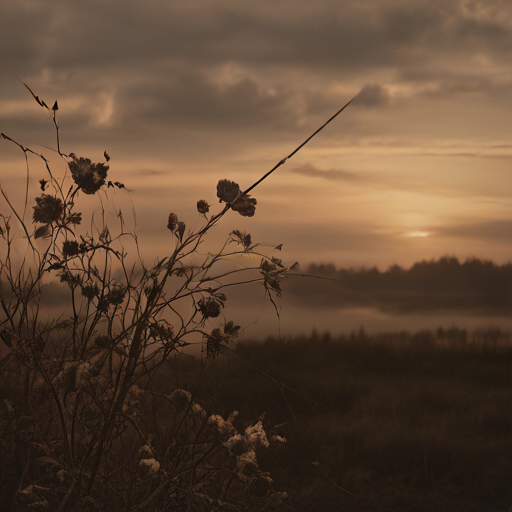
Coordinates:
<point>74,218</point>
<point>272,272</point>
<point>89,291</point>
<point>213,343</point>
<point>88,176</point>
<point>161,332</point>
<point>172,223</point>
<point>150,466</point>
<point>227,191</point>
<point>245,206</point>
<point>203,206</point>
<point>210,307</point>
<point>67,277</point>
<point>116,295</point>
<point>48,209</point>
<point>231,330</point>
<point>242,238</point>
<point>181,399</point>
<point>70,248</point>
<point>256,435</point>
<point>103,341</point>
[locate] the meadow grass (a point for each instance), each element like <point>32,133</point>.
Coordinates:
<point>402,424</point>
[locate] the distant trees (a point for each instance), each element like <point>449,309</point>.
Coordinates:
<point>445,283</point>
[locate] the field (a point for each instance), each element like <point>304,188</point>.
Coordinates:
<point>404,422</point>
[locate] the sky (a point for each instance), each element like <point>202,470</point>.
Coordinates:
<point>183,94</point>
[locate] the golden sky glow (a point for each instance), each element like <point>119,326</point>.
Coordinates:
<point>183,94</point>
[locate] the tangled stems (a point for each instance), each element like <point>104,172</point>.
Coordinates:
<point>86,378</point>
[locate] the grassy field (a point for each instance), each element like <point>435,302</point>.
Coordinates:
<point>405,422</point>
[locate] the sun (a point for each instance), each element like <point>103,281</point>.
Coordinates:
<point>418,234</point>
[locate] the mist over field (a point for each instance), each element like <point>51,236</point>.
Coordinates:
<point>445,292</point>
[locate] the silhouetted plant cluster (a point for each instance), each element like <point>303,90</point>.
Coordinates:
<point>78,431</point>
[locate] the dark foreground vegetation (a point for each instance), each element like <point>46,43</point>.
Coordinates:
<point>405,422</point>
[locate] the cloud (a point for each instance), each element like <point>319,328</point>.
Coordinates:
<point>497,230</point>
<point>331,174</point>
<point>373,95</point>
<point>198,99</point>
<point>225,88</point>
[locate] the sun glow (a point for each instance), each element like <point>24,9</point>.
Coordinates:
<point>418,234</point>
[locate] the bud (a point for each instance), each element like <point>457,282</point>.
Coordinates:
<point>173,222</point>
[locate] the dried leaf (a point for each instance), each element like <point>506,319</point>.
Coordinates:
<point>39,100</point>
<point>43,231</point>
<point>181,230</point>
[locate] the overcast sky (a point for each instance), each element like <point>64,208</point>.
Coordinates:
<point>183,94</point>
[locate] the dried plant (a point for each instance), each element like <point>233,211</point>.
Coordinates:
<point>75,433</point>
